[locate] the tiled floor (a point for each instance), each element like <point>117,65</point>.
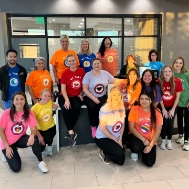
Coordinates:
<point>80,167</point>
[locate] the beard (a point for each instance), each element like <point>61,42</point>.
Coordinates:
<point>12,62</point>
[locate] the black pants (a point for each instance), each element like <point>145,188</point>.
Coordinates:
<point>48,136</point>
<point>183,112</point>
<point>15,162</point>
<point>59,86</point>
<point>70,116</point>
<point>137,146</point>
<point>167,127</point>
<point>111,149</point>
<point>33,101</point>
<point>125,138</point>
<point>93,109</point>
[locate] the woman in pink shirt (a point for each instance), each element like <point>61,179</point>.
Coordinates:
<point>13,125</point>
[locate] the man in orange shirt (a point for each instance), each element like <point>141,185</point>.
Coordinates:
<point>59,59</point>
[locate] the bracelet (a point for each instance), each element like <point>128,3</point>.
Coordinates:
<point>7,147</point>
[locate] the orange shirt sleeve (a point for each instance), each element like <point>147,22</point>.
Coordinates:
<point>159,118</point>
<point>29,81</point>
<point>137,90</point>
<point>133,114</point>
<point>53,59</point>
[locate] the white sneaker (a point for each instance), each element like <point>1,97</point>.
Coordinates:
<point>42,166</point>
<point>180,139</point>
<point>186,146</point>
<point>134,156</point>
<point>48,151</point>
<point>3,158</point>
<point>169,145</point>
<point>163,143</point>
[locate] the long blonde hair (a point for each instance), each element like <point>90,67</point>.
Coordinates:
<point>89,51</point>
<point>120,107</point>
<point>172,83</point>
<point>183,69</point>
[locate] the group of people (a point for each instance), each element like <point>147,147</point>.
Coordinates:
<point>136,111</point>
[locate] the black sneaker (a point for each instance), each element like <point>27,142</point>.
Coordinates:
<point>104,158</point>
<point>72,138</point>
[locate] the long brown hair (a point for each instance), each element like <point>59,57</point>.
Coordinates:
<point>137,80</point>
<point>172,83</point>
<point>183,69</point>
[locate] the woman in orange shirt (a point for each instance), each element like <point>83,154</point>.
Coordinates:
<point>59,59</point>
<point>145,123</point>
<point>38,80</point>
<point>108,56</point>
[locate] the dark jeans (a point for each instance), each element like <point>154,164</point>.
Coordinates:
<point>48,136</point>
<point>111,149</point>
<point>183,112</point>
<point>70,116</point>
<point>15,162</point>
<point>137,146</point>
<point>93,109</point>
<point>167,127</point>
<point>59,86</point>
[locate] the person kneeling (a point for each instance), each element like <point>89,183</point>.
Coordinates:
<point>13,125</point>
<point>110,130</point>
<point>145,123</point>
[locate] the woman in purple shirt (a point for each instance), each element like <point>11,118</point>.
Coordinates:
<point>149,83</point>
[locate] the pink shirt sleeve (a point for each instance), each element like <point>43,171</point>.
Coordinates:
<point>4,118</point>
<point>32,122</point>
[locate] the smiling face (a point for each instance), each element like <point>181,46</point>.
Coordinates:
<point>145,101</point>
<point>97,65</point>
<point>178,65</point>
<point>147,78</point>
<point>132,77</point>
<point>71,62</point>
<point>11,58</point>
<point>167,73</point>
<point>64,43</point>
<point>40,65</point>
<point>85,46</point>
<point>153,57</point>
<point>130,60</point>
<point>116,96</point>
<point>19,101</point>
<point>107,43</point>
<point>45,97</point>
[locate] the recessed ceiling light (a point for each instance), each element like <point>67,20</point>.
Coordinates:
<point>128,20</point>
<point>82,19</point>
<point>79,26</point>
<point>53,19</point>
<point>81,23</point>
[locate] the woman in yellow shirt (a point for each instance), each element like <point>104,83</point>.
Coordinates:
<point>43,111</point>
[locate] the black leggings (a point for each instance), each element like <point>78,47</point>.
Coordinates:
<point>15,162</point>
<point>48,136</point>
<point>93,109</point>
<point>137,146</point>
<point>183,112</point>
<point>70,116</point>
<point>167,127</point>
<point>111,149</point>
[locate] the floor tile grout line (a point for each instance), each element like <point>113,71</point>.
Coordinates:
<point>51,182</point>
<point>169,183</point>
<point>97,179</point>
<point>181,171</point>
<point>139,175</point>
<point>5,184</point>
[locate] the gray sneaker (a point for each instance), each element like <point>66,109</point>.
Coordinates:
<point>72,138</point>
<point>3,158</point>
<point>180,139</point>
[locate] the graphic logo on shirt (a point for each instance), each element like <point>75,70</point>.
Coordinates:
<point>182,80</point>
<point>17,128</point>
<point>14,82</point>
<point>76,84</point>
<point>66,63</point>
<point>117,127</point>
<point>45,82</point>
<point>86,64</point>
<point>145,127</point>
<point>167,95</point>
<point>99,88</point>
<point>110,58</point>
<point>46,117</point>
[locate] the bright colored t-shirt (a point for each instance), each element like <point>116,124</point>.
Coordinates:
<point>158,93</point>
<point>59,60</point>
<point>14,84</point>
<point>142,121</point>
<point>97,85</point>
<point>109,61</point>
<point>43,114</point>
<point>184,96</point>
<point>86,61</point>
<point>14,130</point>
<point>114,122</point>
<point>128,91</point>
<point>155,66</point>
<point>168,98</point>
<point>73,81</point>
<point>39,80</point>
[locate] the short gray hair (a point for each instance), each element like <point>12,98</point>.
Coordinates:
<point>39,58</point>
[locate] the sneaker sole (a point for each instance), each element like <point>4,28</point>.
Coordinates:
<point>103,160</point>
<point>42,170</point>
<point>74,140</point>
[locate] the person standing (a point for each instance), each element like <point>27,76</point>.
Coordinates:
<point>12,78</point>
<point>59,59</point>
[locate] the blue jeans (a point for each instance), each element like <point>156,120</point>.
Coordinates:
<point>7,105</point>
